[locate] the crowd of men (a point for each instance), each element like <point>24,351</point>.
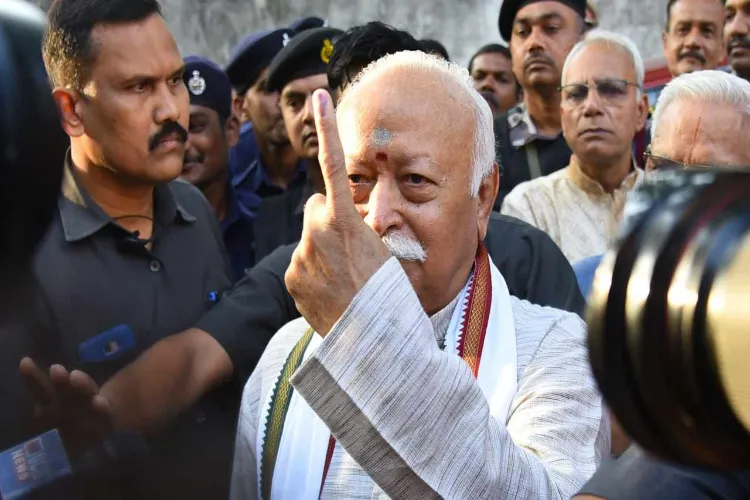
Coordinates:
<point>343,266</point>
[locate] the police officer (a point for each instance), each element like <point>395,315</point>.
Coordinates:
<point>296,72</point>
<point>132,255</point>
<point>529,137</point>
<point>263,162</point>
<point>213,130</point>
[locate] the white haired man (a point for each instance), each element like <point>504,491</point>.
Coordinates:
<point>413,373</point>
<point>602,107</point>
<point>696,125</point>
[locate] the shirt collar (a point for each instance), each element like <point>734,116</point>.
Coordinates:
<point>522,128</point>
<point>591,186</point>
<point>81,217</point>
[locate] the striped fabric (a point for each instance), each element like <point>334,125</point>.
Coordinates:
<point>411,421</point>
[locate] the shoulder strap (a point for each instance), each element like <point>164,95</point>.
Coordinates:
<point>282,396</point>
<point>532,157</point>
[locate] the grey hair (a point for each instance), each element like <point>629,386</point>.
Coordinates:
<point>599,36</point>
<point>483,150</point>
<point>707,86</point>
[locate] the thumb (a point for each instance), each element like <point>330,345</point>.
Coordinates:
<point>331,156</point>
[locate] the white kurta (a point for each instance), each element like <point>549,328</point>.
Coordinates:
<point>573,209</point>
<point>411,420</point>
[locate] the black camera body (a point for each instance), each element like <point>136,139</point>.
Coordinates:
<point>669,319</point>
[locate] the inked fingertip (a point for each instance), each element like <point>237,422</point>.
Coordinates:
<point>323,102</point>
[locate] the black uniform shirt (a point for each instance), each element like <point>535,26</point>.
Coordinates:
<point>106,298</point>
<point>534,269</point>
<point>98,280</point>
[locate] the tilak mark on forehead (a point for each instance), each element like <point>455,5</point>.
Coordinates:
<point>381,138</point>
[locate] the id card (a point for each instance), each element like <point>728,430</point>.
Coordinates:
<point>32,464</point>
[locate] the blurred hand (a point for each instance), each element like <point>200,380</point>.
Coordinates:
<point>70,402</point>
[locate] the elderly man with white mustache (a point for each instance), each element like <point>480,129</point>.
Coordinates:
<point>413,372</point>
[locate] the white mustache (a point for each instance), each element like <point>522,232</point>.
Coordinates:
<point>404,247</point>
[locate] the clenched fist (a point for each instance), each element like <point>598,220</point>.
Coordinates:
<point>338,252</point>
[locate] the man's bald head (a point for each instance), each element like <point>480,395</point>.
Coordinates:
<point>699,120</point>
<point>442,95</point>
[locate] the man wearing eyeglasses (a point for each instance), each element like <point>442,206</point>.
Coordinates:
<point>602,108</point>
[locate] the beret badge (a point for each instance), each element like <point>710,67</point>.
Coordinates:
<point>196,84</point>
<point>326,51</point>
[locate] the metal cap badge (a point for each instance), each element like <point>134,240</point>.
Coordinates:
<point>326,51</point>
<point>196,84</point>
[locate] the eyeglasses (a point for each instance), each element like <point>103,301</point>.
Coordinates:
<point>661,163</point>
<point>609,90</point>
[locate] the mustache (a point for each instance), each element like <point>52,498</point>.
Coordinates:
<point>490,98</point>
<point>169,128</point>
<point>739,41</point>
<point>404,247</point>
<point>538,57</point>
<point>194,158</point>
<point>694,54</point>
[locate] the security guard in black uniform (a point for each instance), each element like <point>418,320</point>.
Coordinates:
<point>132,255</point>
<point>529,137</point>
<point>296,72</point>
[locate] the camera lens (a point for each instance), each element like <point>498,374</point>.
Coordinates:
<point>662,345</point>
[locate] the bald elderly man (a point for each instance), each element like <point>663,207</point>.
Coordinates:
<point>413,373</point>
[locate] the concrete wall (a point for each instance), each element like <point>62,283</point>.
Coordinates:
<point>211,27</point>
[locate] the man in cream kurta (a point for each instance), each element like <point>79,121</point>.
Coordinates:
<point>602,108</point>
<point>487,396</point>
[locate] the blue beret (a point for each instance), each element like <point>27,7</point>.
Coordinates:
<point>510,8</point>
<point>208,85</point>
<point>307,54</point>
<point>253,54</point>
<point>308,23</point>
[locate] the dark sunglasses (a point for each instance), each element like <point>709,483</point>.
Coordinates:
<point>609,90</point>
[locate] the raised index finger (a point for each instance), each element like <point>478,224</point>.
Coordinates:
<point>331,155</point>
